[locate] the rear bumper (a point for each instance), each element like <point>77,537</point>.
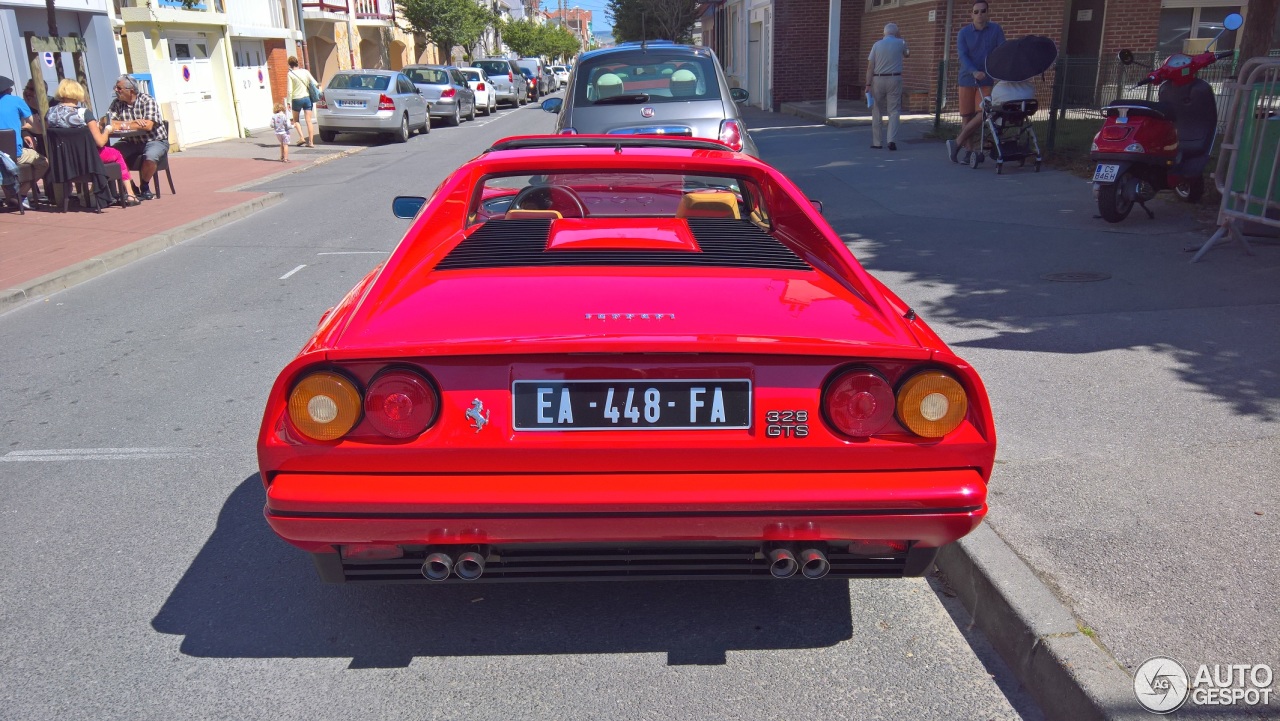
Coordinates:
<point>385,121</point>
<point>444,108</point>
<point>319,512</point>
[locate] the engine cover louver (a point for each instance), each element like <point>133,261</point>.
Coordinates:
<point>725,243</point>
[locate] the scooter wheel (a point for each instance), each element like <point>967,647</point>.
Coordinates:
<point>975,160</point>
<point>1113,206</point>
<point>1037,166</point>
<point>1191,190</point>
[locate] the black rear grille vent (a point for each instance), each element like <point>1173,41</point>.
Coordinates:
<point>725,243</point>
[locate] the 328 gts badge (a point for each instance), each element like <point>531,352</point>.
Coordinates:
<point>786,424</point>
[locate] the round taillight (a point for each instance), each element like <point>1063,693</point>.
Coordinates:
<point>324,406</point>
<point>859,403</point>
<point>932,404</point>
<point>400,403</point>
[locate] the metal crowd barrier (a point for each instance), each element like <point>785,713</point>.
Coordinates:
<point>1249,155</point>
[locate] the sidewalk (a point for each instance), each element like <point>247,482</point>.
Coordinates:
<point>1129,516</point>
<point>44,251</point>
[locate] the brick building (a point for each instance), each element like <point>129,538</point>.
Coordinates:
<point>796,41</point>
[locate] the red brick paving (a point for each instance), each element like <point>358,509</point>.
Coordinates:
<point>43,241</point>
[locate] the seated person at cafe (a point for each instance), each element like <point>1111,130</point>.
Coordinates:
<point>69,113</point>
<point>15,115</point>
<point>134,110</point>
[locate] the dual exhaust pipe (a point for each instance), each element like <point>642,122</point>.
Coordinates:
<point>438,566</point>
<point>810,562</point>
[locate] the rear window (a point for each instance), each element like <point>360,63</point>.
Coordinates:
<point>470,73</point>
<point>344,81</point>
<point>427,76</point>
<point>646,77</point>
<point>494,67</point>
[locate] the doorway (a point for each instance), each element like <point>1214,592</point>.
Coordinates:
<point>1080,63</point>
<point>190,60</point>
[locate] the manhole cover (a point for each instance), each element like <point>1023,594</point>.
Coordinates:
<point>1076,276</point>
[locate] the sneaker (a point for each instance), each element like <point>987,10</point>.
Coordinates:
<point>893,146</point>
<point>146,195</point>
<point>26,204</point>
<point>968,157</point>
<point>952,150</point>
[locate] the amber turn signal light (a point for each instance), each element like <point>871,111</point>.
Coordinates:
<point>324,406</point>
<point>932,404</point>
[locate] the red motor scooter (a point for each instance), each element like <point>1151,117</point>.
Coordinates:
<point>1145,147</point>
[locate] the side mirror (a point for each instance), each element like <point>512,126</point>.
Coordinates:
<point>1233,21</point>
<point>739,95</point>
<point>817,205</point>
<point>552,105</point>
<point>1125,56</point>
<point>407,206</point>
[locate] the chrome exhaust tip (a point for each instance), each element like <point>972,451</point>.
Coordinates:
<point>814,563</point>
<point>470,566</point>
<point>782,563</point>
<point>437,567</point>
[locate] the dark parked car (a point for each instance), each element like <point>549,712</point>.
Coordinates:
<point>535,88</point>
<point>655,89</point>
<point>505,74</point>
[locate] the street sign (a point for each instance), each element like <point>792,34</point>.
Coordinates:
<point>48,58</point>
<point>57,45</point>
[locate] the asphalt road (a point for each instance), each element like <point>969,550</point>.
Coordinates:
<point>139,580</point>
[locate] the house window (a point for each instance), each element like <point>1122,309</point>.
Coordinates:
<point>873,4</point>
<point>1195,23</point>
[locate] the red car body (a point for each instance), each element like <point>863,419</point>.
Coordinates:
<point>490,491</point>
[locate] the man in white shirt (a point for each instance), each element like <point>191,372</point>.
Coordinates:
<point>884,83</point>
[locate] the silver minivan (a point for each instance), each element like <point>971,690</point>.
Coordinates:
<point>656,88</point>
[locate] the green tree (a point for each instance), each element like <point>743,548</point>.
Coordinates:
<point>653,19</point>
<point>1255,36</point>
<point>522,37</point>
<point>447,23</point>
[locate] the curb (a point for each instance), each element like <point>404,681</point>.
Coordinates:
<point>1071,675</point>
<point>93,267</point>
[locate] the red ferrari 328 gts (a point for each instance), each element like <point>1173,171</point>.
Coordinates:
<point>616,358</point>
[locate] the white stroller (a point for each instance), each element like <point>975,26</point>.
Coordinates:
<point>1006,133</point>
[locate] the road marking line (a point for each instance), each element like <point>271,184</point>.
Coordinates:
<point>356,252</point>
<point>295,270</point>
<point>96,454</point>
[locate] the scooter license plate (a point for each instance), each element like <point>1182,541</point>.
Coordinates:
<point>1106,173</point>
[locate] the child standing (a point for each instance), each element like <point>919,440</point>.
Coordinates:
<point>283,127</point>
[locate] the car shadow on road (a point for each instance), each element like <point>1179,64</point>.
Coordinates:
<point>247,594</point>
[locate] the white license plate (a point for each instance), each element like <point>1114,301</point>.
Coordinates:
<point>351,103</point>
<point>1106,173</point>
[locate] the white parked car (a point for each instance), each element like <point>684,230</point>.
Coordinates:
<point>562,74</point>
<point>486,91</point>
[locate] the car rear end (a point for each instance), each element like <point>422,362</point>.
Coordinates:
<point>434,82</point>
<point>692,397</point>
<point>503,79</point>
<point>359,102</point>
<point>663,89</point>
<point>480,85</point>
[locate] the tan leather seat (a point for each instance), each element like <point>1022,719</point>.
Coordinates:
<point>515,213</point>
<point>708,204</point>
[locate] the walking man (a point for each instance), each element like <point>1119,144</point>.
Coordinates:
<point>973,44</point>
<point>884,81</point>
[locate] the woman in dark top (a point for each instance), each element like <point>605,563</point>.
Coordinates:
<point>67,113</point>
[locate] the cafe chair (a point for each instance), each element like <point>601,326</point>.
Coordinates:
<point>9,144</point>
<point>135,166</point>
<point>74,160</point>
